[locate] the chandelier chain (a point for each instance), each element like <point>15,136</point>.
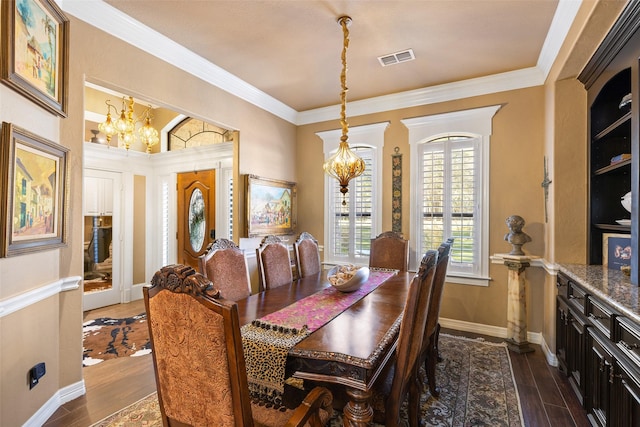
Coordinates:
<point>344,22</point>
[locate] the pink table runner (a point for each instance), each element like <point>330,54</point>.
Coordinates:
<point>266,341</point>
<point>316,310</point>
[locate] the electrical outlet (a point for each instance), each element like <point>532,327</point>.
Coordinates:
<point>35,374</point>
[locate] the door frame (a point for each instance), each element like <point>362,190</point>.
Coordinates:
<point>99,299</point>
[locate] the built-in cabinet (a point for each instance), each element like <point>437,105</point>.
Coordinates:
<point>610,161</point>
<point>98,196</point>
<point>612,79</point>
<point>599,350</point>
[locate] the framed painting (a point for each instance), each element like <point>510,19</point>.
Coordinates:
<point>35,58</point>
<point>616,250</point>
<point>33,190</point>
<point>271,206</point>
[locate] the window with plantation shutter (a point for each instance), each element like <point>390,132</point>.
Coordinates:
<point>450,200</point>
<point>230,206</point>
<point>351,223</point>
<point>224,207</point>
<point>349,228</point>
<point>450,190</point>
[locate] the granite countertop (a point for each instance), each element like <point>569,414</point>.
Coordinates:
<point>611,285</point>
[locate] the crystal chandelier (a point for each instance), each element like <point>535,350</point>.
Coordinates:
<point>125,126</point>
<point>344,165</point>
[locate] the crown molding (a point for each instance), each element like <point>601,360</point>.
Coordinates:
<point>101,156</point>
<point>109,19</point>
<point>112,21</point>
<point>562,20</point>
<point>446,92</point>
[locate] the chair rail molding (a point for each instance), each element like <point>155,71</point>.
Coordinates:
<point>23,300</point>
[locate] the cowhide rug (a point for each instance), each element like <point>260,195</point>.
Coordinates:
<point>106,338</point>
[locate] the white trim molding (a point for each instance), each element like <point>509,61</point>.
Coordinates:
<point>25,299</point>
<point>111,20</point>
<point>499,332</point>
<point>534,261</point>
<point>62,396</point>
<point>477,122</point>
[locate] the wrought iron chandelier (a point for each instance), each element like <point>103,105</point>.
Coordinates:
<point>125,126</point>
<point>344,165</point>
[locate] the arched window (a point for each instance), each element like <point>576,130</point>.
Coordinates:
<point>450,189</point>
<point>350,227</point>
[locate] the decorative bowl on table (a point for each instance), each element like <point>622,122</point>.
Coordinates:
<point>347,278</point>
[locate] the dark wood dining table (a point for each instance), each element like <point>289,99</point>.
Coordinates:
<point>352,349</point>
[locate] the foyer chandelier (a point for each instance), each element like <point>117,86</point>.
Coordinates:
<point>125,126</point>
<point>344,165</point>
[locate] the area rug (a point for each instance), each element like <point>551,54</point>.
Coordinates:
<point>475,380</point>
<point>106,338</point>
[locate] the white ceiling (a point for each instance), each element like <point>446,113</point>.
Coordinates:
<point>284,55</point>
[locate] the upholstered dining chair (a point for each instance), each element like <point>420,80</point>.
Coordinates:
<point>389,250</point>
<point>429,354</point>
<point>274,263</point>
<point>225,265</point>
<point>400,379</point>
<point>199,362</point>
<point>307,255</point>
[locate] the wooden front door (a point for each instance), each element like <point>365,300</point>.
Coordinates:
<point>196,215</point>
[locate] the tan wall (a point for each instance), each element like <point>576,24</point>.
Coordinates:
<point>516,173</point>
<point>31,335</point>
<point>268,148</point>
<point>140,211</point>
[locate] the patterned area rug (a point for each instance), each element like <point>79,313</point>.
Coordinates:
<point>106,338</point>
<point>475,380</point>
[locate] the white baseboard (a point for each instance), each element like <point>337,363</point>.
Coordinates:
<point>136,292</point>
<point>499,332</point>
<point>63,396</point>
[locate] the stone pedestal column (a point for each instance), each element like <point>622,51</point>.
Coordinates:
<point>517,305</point>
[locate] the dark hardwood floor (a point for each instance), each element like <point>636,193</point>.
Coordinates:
<point>545,394</point>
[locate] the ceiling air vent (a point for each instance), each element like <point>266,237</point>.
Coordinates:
<point>396,58</point>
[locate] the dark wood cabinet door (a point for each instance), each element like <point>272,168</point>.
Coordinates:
<point>562,325</point>
<point>625,396</point>
<point>576,352</point>
<point>598,384</point>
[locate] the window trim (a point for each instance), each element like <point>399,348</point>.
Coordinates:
<point>476,123</point>
<point>371,136</point>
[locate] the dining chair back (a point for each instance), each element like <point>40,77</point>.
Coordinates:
<point>274,263</point>
<point>400,380</point>
<point>225,265</point>
<point>429,353</point>
<point>389,250</point>
<point>307,255</point>
<point>199,362</point>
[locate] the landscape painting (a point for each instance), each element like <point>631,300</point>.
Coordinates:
<point>271,206</point>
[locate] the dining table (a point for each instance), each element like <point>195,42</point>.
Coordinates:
<point>344,340</point>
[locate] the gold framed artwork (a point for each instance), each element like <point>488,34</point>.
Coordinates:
<point>616,250</point>
<point>35,57</point>
<point>271,206</point>
<point>33,190</point>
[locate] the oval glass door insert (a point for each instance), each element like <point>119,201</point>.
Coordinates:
<point>197,221</point>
